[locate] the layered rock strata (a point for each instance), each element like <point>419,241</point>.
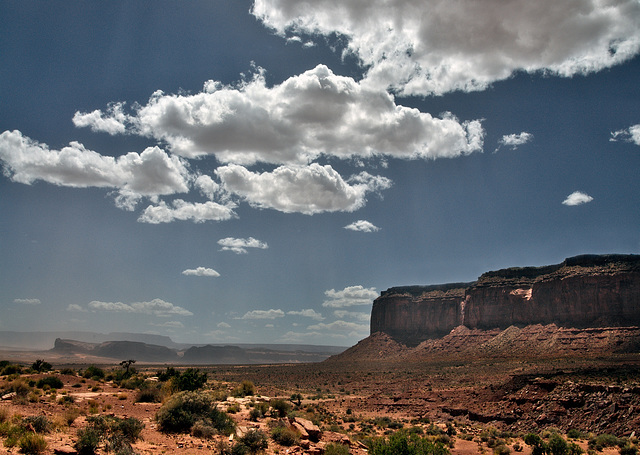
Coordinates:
<point>583,291</point>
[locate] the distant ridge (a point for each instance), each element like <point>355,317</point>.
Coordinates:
<point>46,340</point>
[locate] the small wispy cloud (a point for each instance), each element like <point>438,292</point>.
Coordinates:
<point>27,301</point>
<point>577,198</point>
<point>362,226</point>
<point>631,134</point>
<point>170,325</point>
<point>223,325</point>
<point>308,313</point>
<point>349,296</point>
<point>76,307</point>
<point>239,246</point>
<point>201,271</point>
<point>514,140</point>
<point>263,314</point>
<point>156,307</point>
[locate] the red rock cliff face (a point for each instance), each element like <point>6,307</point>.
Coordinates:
<point>584,291</point>
<point>412,314</point>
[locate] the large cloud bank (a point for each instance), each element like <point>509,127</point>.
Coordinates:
<point>437,46</point>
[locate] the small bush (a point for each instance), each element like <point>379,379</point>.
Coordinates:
<point>52,382</point>
<point>93,372</point>
<point>184,409</point>
<point>151,395</point>
<point>628,449</point>
<point>32,444</point>
<point>285,436</point>
<point>501,449</point>
<point>202,429</point>
<point>40,366</point>
<point>575,434</point>
<point>190,380</point>
<point>254,440</point>
<point>336,449</point>
<point>11,369</point>
<point>37,424</point>
<point>243,390</point>
<point>604,440</point>
<point>88,441</point>
<point>401,442</point>
<point>280,407</point>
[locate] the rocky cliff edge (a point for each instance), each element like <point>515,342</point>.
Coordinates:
<point>581,292</point>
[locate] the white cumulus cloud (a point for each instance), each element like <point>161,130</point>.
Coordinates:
<point>239,246</point>
<point>201,271</point>
<point>577,198</point>
<point>304,189</point>
<point>114,122</point>
<point>349,296</point>
<point>362,226</point>
<point>179,209</point>
<point>307,116</point>
<point>150,173</point>
<point>438,46</point>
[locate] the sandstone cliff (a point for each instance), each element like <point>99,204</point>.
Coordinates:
<point>581,292</point>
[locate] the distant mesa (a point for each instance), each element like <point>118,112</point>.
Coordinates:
<point>582,292</point>
<point>117,350</point>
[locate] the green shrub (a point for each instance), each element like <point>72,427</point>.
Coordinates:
<point>93,372</point>
<point>575,434</point>
<point>336,449</point>
<point>285,436</point>
<point>36,424</point>
<point>280,407</point>
<point>557,445</point>
<point>11,369</point>
<point>604,440</point>
<point>53,382</point>
<point>501,449</point>
<point>628,449</point>
<point>88,441</point>
<point>190,379</point>
<point>403,443</point>
<point>202,429</point>
<point>32,444</point>
<point>150,395</point>
<point>244,390</point>
<point>184,409</point>
<point>254,440</point>
<point>40,366</point>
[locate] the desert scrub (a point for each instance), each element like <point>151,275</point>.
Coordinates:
<point>279,407</point>
<point>401,442</point>
<point>116,433</point>
<point>284,435</point>
<point>336,449</point>
<point>245,389</point>
<point>93,372</point>
<point>180,412</point>
<point>32,444</point>
<point>53,382</point>
<point>252,442</point>
<point>604,440</point>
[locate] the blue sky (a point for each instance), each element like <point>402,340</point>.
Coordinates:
<point>259,171</point>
